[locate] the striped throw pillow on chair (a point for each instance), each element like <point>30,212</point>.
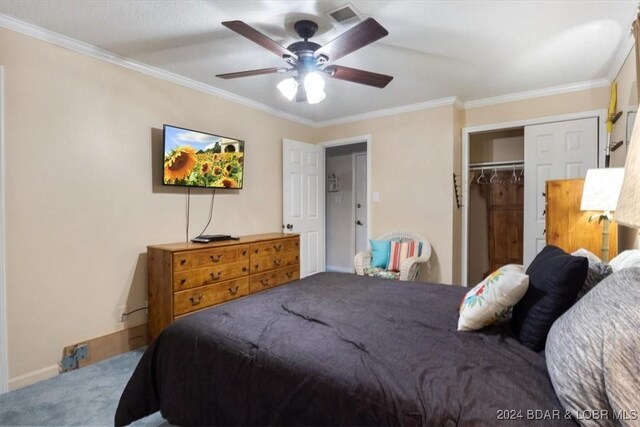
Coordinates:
<point>400,251</point>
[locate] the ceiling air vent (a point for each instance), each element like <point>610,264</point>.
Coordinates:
<point>344,14</point>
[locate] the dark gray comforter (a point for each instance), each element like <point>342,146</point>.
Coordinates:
<point>340,349</point>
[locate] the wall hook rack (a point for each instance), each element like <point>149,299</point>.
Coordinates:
<point>455,189</point>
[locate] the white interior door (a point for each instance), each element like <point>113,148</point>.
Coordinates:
<point>303,201</point>
<point>560,150</point>
<point>4,358</point>
<point>360,200</point>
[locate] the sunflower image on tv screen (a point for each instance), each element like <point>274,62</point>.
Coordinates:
<point>197,159</point>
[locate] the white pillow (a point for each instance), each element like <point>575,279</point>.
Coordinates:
<point>626,259</point>
<point>492,298</point>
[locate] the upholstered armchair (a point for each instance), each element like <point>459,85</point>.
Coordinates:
<point>408,268</point>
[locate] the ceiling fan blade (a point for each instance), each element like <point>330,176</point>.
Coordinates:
<point>259,38</point>
<point>358,76</point>
<point>301,94</point>
<point>353,39</point>
<point>252,73</point>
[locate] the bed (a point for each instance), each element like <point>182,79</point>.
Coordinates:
<point>340,349</point>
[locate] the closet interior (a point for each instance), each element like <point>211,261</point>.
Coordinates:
<point>496,199</point>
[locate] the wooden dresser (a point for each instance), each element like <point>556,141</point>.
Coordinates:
<point>567,226</point>
<point>187,277</point>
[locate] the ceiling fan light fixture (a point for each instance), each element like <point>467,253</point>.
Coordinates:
<point>314,86</point>
<point>288,88</point>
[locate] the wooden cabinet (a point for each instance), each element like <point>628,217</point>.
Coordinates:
<point>505,216</point>
<point>187,277</point>
<point>567,226</point>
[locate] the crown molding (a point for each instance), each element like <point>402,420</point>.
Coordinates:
<point>454,100</point>
<point>623,52</point>
<point>106,55</point>
<point>537,93</point>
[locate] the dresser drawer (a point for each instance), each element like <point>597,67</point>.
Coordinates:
<point>188,279</point>
<point>274,247</point>
<point>258,265</point>
<point>262,281</point>
<point>232,290</point>
<point>209,257</point>
<point>288,274</point>
<point>205,296</point>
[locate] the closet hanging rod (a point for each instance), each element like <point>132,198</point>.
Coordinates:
<point>496,165</point>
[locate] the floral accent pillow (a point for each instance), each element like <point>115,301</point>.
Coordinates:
<point>493,298</point>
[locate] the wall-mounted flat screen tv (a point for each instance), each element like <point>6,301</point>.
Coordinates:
<point>199,159</point>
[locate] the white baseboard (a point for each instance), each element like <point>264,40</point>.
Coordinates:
<point>34,377</point>
<point>336,269</point>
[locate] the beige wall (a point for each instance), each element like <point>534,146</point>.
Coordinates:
<point>571,102</point>
<point>412,158</point>
<point>81,203</point>
<point>456,265</point>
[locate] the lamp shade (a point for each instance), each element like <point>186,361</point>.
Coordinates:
<point>288,88</point>
<point>314,86</point>
<point>602,189</point>
<point>628,211</point>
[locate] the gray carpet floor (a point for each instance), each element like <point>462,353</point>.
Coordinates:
<point>83,397</point>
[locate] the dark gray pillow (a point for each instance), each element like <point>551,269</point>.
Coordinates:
<point>597,271</point>
<point>592,352</point>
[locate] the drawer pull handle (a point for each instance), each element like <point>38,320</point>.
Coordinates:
<point>255,267</point>
<point>277,262</point>
<point>233,291</point>
<point>264,282</point>
<point>277,247</point>
<point>216,258</point>
<point>256,251</point>
<point>244,269</point>
<point>215,276</point>
<point>289,274</point>
<point>196,300</point>
<point>183,261</point>
<point>244,253</point>
<point>182,282</point>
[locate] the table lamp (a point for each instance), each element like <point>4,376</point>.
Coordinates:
<point>628,210</point>
<point>600,193</point>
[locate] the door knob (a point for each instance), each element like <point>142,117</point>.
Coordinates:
<point>289,226</point>
<point>358,205</point>
<point>359,222</point>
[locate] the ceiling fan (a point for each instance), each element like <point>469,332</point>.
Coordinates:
<point>310,60</point>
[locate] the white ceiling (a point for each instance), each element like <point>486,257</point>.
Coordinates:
<point>435,50</point>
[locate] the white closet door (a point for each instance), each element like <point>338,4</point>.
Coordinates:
<point>560,150</point>
<point>303,201</point>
